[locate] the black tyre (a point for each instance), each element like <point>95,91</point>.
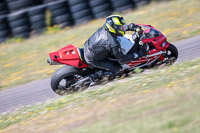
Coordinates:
<point>173,50</point>
<point>102,14</point>
<point>94,3</point>
<point>10,0</point>
<point>3,19</point>
<point>3,6</point>
<point>62,18</point>
<point>63,78</point>
<point>19,4</point>
<point>17,15</point>
<point>123,8</point>
<point>101,8</point>
<point>4,33</point>
<point>4,29</point>
<point>37,2</point>
<point>3,26</point>
<point>38,25</point>
<point>18,23</point>
<point>79,7</point>
<point>37,18</point>
<point>74,2</point>
<point>81,14</point>
<point>120,3</point>
<point>138,3</point>
<point>83,19</point>
<point>3,12</point>
<point>47,1</point>
<point>171,54</point>
<point>36,10</point>
<point>59,12</point>
<point>57,5</point>
<point>21,29</point>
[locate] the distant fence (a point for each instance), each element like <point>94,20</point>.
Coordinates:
<point>22,18</point>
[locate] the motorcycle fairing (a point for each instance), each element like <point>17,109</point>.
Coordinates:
<point>157,39</point>
<point>144,61</point>
<point>68,55</point>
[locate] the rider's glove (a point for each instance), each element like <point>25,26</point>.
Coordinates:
<point>139,31</point>
<point>131,27</point>
<point>136,28</point>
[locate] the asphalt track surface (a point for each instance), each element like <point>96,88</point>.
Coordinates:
<point>40,91</point>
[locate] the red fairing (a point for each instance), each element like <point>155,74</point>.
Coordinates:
<point>68,55</point>
<point>166,45</point>
<point>156,41</point>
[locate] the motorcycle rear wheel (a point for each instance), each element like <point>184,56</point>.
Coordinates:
<point>63,78</point>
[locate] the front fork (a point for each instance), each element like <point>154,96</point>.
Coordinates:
<point>155,51</point>
<point>163,48</point>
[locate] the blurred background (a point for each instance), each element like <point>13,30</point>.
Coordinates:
<point>165,100</point>
<point>23,18</point>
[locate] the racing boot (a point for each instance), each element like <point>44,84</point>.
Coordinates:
<point>95,78</point>
<point>109,75</point>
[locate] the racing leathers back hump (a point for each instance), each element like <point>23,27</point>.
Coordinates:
<point>103,44</point>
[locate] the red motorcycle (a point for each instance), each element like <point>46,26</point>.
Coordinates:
<point>67,79</point>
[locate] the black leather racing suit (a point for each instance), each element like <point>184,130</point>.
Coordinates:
<point>101,45</point>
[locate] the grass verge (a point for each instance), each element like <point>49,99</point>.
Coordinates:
<point>25,61</point>
<point>165,100</point>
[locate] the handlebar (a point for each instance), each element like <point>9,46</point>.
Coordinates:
<point>139,31</point>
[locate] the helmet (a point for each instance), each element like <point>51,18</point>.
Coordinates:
<point>115,24</point>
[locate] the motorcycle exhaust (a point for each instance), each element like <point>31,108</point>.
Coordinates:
<point>51,62</point>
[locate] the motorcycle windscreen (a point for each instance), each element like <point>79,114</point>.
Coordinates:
<point>125,43</point>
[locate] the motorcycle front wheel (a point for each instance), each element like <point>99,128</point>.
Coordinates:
<point>171,54</point>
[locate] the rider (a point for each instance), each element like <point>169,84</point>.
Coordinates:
<point>103,44</point>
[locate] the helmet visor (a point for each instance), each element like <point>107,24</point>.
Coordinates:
<point>121,27</point>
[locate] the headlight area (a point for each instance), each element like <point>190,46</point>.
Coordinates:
<point>163,44</point>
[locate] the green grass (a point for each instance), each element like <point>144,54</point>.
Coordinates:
<point>164,100</point>
<point>23,61</point>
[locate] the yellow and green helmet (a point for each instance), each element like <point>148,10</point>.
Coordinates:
<point>115,24</point>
